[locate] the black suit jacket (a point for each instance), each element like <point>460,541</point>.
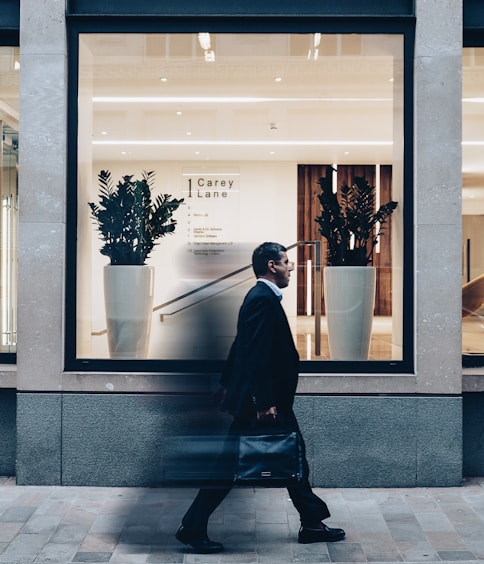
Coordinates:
<point>262,367</point>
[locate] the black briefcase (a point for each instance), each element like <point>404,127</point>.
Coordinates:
<point>269,459</point>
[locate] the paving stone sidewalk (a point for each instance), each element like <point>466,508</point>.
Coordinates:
<point>137,525</point>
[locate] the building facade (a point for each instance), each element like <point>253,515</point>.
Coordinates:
<point>409,414</point>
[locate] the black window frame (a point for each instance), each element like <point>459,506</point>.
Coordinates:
<point>82,23</point>
<point>473,36</point>
<point>9,37</point>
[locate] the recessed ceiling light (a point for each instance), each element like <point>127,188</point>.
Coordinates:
<point>204,40</point>
<point>179,113</point>
<point>210,56</point>
<point>197,152</point>
<point>104,132</point>
<point>164,79</point>
<point>278,79</point>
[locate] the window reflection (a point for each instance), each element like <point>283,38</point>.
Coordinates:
<point>227,121</point>
<point>473,206</point>
<point>9,106</point>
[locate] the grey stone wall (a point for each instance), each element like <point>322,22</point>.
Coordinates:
<point>39,439</point>
<point>383,441</point>
<point>126,440</point>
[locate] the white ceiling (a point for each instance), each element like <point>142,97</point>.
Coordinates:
<point>336,108</point>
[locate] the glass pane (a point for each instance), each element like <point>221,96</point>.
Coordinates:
<point>241,127</point>
<point>9,108</point>
<point>473,204</point>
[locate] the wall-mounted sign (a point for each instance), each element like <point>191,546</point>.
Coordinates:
<point>212,199</point>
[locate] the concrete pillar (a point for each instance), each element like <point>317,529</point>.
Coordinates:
<point>437,195</point>
<point>42,197</point>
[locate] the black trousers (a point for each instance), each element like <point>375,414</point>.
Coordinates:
<point>312,509</point>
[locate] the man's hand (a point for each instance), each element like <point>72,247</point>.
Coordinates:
<point>268,415</point>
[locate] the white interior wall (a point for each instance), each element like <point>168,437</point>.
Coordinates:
<point>264,210</point>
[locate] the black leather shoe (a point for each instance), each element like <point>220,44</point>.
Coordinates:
<point>198,541</point>
<point>322,534</point>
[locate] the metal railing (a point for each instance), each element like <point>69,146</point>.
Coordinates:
<point>199,289</point>
<point>317,292</point>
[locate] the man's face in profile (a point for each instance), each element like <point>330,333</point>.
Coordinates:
<point>283,270</point>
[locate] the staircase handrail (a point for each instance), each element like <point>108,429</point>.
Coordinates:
<point>317,292</point>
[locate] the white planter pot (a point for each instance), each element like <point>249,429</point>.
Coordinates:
<point>349,298</point>
<point>128,296</point>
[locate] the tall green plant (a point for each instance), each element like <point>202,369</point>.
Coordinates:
<point>349,222</point>
<point>128,220</point>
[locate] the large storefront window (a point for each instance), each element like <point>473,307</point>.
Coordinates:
<point>242,127</point>
<point>473,206</point>
<point>9,108</point>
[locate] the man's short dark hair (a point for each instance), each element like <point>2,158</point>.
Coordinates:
<point>263,254</point>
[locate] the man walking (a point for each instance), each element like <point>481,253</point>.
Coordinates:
<point>260,382</point>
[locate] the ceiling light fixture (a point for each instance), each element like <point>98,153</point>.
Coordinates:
<point>224,100</point>
<point>313,54</point>
<point>204,40</point>
<point>249,143</point>
<point>209,56</point>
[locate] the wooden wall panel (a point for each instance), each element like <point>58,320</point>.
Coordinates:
<point>383,259</point>
<point>307,228</point>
